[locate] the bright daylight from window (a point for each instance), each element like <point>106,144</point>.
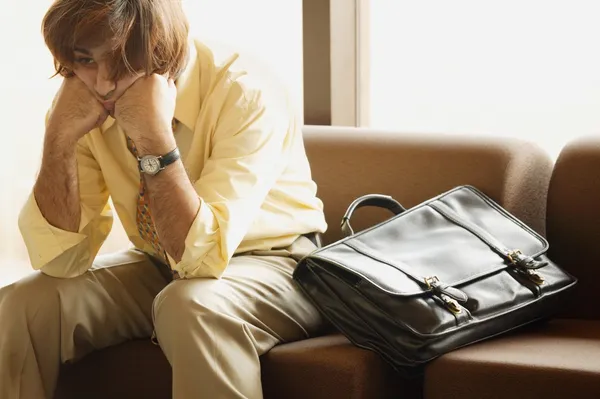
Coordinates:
<point>525,68</point>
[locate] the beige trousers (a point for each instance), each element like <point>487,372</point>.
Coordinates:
<point>212,331</point>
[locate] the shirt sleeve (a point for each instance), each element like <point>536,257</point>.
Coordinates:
<point>250,143</point>
<point>61,253</point>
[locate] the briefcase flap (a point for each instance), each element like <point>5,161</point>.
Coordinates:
<point>399,254</point>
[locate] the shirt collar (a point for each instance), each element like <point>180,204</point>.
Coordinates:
<point>187,106</point>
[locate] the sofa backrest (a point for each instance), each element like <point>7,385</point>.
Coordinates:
<point>349,162</point>
<point>574,222</point>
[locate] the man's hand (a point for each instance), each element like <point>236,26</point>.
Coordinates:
<point>145,112</point>
<point>76,111</point>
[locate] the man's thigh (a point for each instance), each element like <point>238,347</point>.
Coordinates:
<point>255,291</point>
<point>107,305</point>
<point>266,296</point>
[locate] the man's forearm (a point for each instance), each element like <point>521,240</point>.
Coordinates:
<point>174,202</point>
<point>56,190</point>
<point>174,205</point>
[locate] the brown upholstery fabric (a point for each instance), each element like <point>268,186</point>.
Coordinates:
<point>346,164</point>
<point>560,359</point>
<point>331,367</point>
<point>137,369</point>
<point>325,367</point>
<point>574,222</point>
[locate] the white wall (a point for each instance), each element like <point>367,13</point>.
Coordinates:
<point>526,68</point>
<point>268,30</point>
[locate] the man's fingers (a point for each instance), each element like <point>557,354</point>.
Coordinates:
<point>102,118</point>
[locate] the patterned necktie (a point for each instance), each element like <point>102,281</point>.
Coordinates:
<point>144,221</point>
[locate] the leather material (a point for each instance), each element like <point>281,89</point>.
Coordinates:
<point>449,272</point>
<point>378,200</point>
<point>169,158</point>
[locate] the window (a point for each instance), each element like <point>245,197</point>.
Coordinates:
<point>268,31</point>
<point>526,68</point>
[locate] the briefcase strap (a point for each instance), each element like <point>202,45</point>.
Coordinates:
<point>524,264</point>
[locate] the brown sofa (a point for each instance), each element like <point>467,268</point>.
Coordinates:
<point>560,359</point>
<point>347,163</point>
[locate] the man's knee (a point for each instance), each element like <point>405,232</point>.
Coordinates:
<point>29,306</point>
<point>30,294</point>
<point>189,301</point>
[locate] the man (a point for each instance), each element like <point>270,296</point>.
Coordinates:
<point>208,174</point>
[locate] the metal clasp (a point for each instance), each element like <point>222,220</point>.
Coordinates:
<point>532,275</point>
<point>513,256</point>
<point>431,281</point>
<point>450,304</point>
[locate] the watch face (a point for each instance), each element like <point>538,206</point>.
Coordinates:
<point>150,164</point>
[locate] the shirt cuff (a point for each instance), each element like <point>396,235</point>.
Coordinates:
<point>44,242</point>
<point>204,255</point>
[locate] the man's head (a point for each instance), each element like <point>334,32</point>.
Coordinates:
<point>108,44</point>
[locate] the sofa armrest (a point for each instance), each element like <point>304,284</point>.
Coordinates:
<point>573,221</point>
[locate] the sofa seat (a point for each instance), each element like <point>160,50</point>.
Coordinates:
<point>136,369</point>
<point>346,163</point>
<point>557,359</point>
<point>331,367</point>
<point>324,367</point>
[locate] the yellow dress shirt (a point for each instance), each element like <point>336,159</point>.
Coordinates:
<point>245,157</point>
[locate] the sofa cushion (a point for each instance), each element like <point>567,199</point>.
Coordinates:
<point>557,359</point>
<point>325,367</point>
<point>331,367</point>
<point>136,369</point>
<point>347,163</point>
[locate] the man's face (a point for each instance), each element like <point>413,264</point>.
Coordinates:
<point>92,67</point>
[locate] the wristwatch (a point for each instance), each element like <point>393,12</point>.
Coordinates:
<point>152,164</point>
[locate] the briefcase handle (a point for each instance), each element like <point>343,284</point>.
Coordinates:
<point>378,200</point>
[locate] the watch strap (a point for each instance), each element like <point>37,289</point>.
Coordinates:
<point>169,158</point>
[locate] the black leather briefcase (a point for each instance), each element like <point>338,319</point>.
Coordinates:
<point>452,271</point>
